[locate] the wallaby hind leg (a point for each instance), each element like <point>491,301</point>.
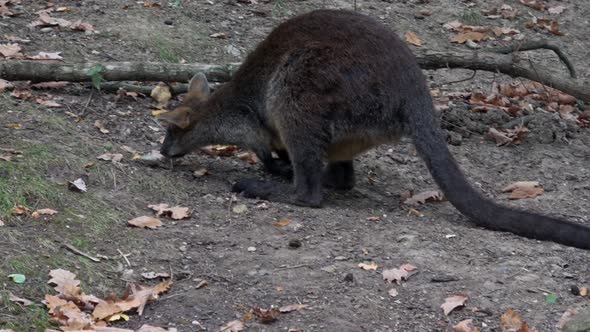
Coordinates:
<point>339,175</point>
<point>306,158</point>
<point>279,167</point>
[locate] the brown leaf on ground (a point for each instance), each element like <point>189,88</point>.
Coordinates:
<point>98,124</point>
<point>154,275</point>
<point>19,300</point>
<point>114,157</point>
<point>10,51</point>
<point>220,150</point>
<point>46,56</point>
<point>453,302</point>
<point>266,316</point>
<point>292,307</point>
<point>81,26</point>
<point>47,102</point>
<point>161,93</point>
<point>233,326</point>
<point>18,210</point>
<point>175,212</point>
<point>65,282</point>
<point>535,4</point>
<point>507,136</point>
<point>21,94</point>
<point>105,309</point>
<point>137,296</point>
<point>44,212</point>
<point>78,185</point>
<point>248,157</point>
<point>511,321</point>
<point>370,266</point>
<point>465,326</point>
<point>412,38</point>
<point>6,158</point>
<point>145,222</point>
<point>396,275</point>
<point>463,37</point>
<point>149,328</point>
<point>523,189</point>
<point>425,196</point>
<point>556,10</point>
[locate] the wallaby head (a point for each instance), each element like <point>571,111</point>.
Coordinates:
<point>182,133</point>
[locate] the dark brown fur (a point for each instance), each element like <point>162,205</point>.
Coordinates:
<point>329,85</point>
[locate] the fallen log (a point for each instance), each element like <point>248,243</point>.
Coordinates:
<point>501,60</point>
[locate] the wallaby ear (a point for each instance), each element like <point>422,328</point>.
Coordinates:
<point>179,117</point>
<point>199,86</point>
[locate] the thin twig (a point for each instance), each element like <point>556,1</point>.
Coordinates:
<point>83,111</point>
<point>124,257</point>
<point>79,252</point>
<point>461,80</point>
<point>292,267</point>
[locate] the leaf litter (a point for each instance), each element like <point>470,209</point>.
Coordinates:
<point>74,310</point>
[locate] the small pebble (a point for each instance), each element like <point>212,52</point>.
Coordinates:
<point>251,249</point>
<point>349,277</point>
<point>168,22</point>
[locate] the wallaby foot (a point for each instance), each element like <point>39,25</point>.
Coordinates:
<point>339,175</point>
<point>274,192</point>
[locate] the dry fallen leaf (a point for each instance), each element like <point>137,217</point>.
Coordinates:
<point>175,212</point>
<point>145,222</point>
<point>45,212</point>
<point>47,102</point>
<point>98,124</point>
<point>523,189</point>
<point>368,266</point>
<point>413,39</point>
<point>154,275</point>
<point>465,326</point>
<point>453,302</point>
<point>511,321</point>
<point>292,307</point>
<point>149,328</point>
<point>474,36</point>
<point>77,185</point>
<point>398,274</point>
<point>161,93</point>
<point>425,196</point>
<point>46,56</point>
<point>19,300</point>
<point>4,84</point>
<point>556,10</point>
<point>283,222</point>
<point>266,316</point>
<point>114,157</point>
<point>233,326</point>
<point>10,50</point>
<point>392,292</point>
<point>18,210</point>
<point>65,282</point>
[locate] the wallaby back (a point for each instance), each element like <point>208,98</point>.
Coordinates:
<point>328,85</point>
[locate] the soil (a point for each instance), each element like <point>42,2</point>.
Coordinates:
<point>245,257</point>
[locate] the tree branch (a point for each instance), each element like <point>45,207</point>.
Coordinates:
<point>493,61</point>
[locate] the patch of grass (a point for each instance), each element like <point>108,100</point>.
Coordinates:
<point>471,16</point>
<point>18,318</point>
<point>167,51</point>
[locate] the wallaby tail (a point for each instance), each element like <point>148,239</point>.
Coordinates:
<point>432,146</point>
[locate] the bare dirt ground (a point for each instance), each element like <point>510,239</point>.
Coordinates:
<point>496,271</point>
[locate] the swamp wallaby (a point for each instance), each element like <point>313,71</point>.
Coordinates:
<point>328,85</point>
